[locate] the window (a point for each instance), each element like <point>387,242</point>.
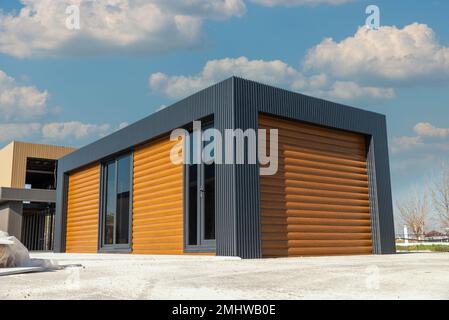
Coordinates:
<point>116,203</point>
<point>40,173</point>
<point>200,202</point>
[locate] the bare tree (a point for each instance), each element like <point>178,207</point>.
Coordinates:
<point>414,212</point>
<point>440,195</point>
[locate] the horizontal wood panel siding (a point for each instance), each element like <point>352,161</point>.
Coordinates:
<point>157,200</point>
<point>83,210</point>
<point>318,202</point>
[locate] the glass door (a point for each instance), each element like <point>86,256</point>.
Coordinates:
<point>116,204</point>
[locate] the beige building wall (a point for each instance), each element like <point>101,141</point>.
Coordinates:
<point>13,160</point>
<point>6,163</point>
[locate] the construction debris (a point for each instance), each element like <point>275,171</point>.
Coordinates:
<point>13,254</point>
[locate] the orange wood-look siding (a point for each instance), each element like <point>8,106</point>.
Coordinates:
<point>318,202</point>
<point>83,210</point>
<point>157,200</point>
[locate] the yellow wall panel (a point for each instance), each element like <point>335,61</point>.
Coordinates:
<point>83,211</point>
<point>157,200</point>
<point>318,202</point>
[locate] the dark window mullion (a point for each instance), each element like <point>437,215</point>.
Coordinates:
<point>199,207</point>
<point>103,205</point>
<point>130,210</point>
<point>114,241</point>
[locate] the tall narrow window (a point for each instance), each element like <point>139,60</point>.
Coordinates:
<point>116,203</point>
<point>109,220</point>
<point>192,173</point>
<point>209,202</point>
<point>200,208</point>
<point>123,193</point>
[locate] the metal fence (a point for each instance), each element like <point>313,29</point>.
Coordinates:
<point>37,230</point>
<point>421,239</point>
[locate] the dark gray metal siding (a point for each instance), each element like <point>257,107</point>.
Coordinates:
<point>371,165</point>
<point>383,189</point>
<point>247,177</point>
<point>225,178</point>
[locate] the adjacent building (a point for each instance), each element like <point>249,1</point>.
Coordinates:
<point>28,192</point>
<point>330,194</point>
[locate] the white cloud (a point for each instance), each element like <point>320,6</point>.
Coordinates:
<point>427,130</point>
<point>74,130</point>
<point>368,66</point>
<point>14,131</point>
<point>406,143</point>
<point>124,26</point>
<point>428,138</point>
<point>20,102</point>
<point>273,72</point>
<point>399,56</point>
<point>290,3</point>
<point>348,90</point>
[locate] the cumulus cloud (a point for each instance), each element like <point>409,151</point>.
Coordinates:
<point>14,131</point>
<point>19,101</point>
<point>348,90</point>
<point>427,138</point>
<point>274,72</point>
<point>413,156</point>
<point>20,104</point>
<point>368,65</point>
<point>129,26</point>
<point>74,130</point>
<point>388,55</point>
<point>426,129</point>
<point>290,3</point>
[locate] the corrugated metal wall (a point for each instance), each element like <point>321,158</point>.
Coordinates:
<point>157,200</point>
<point>23,150</point>
<point>83,210</point>
<point>222,97</point>
<point>318,202</point>
<point>247,220</point>
<point>13,160</point>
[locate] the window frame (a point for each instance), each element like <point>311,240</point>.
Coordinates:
<point>110,248</point>
<point>203,245</point>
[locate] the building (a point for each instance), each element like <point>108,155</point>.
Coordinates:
<point>330,195</point>
<point>28,192</point>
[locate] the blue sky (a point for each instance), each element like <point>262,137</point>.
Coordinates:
<point>90,83</point>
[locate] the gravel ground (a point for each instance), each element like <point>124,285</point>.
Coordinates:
<point>401,276</point>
